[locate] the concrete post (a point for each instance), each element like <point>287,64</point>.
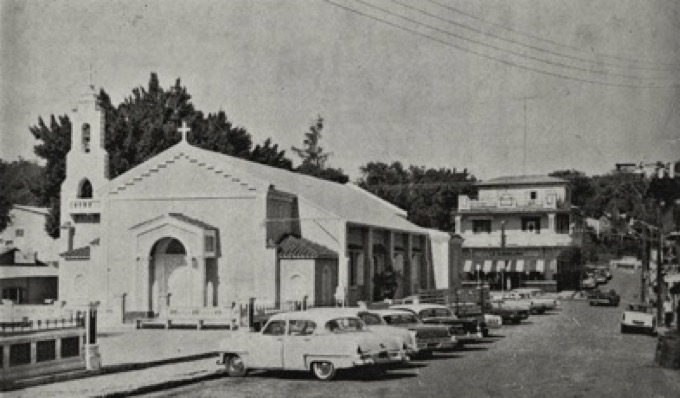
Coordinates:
<point>92,356</point>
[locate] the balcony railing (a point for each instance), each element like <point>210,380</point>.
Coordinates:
<point>465,203</point>
<point>84,206</point>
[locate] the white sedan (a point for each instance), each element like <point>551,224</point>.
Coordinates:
<point>638,317</point>
<point>320,341</point>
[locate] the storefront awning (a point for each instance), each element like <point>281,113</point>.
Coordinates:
<point>468,266</point>
<point>487,266</point>
<point>540,265</point>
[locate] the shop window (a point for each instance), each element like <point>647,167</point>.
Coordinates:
<point>20,354</point>
<point>16,294</point>
<point>481,226</point>
<point>46,350</point>
<point>70,347</point>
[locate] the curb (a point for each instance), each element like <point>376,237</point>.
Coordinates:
<point>165,385</point>
<point>106,370</point>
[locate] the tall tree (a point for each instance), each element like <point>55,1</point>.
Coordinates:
<point>580,186</point>
<point>314,157</point>
<point>428,195</point>
<point>55,142</point>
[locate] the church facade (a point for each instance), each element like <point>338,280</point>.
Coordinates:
<point>195,228</point>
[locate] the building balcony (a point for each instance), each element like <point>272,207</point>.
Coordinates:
<point>517,239</point>
<point>465,204</point>
<point>84,206</point>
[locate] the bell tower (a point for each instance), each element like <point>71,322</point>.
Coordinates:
<point>86,171</point>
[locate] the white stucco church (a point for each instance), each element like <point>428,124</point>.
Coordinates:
<point>195,228</point>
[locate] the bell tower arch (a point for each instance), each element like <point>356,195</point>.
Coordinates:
<point>86,169</point>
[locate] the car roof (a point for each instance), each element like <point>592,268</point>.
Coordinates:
<point>390,311</point>
<point>317,314</point>
<point>419,307</point>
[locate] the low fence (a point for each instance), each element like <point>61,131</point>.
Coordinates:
<point>251,314</point>
<point>36,352</point>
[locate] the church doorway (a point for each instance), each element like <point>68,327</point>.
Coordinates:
<point>172,279</point>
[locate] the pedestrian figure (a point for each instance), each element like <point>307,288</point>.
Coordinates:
<point>668,312</point>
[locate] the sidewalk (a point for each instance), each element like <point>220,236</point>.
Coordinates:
<point>136,361</point>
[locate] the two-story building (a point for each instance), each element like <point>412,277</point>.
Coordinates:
<point>515,230</point>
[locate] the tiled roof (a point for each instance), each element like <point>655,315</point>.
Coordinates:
<point>293,247</point>
<point>191,221</point>
<point>522,180</point>
<point>81,253</point>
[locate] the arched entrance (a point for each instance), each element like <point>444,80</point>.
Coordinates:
<point>172,279</point>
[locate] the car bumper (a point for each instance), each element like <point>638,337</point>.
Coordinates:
<point>383,359</point>
<point>437,345</point>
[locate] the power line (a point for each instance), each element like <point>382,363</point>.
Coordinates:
<point>489,57</point>
<point>543,39</point>
<point>520,43</point>
<point>504,50</point>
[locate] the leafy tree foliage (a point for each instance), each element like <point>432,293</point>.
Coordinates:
<point>20,181</point>
<point>580,184</point>
<point>141,126</point>
<point>428,195</point>
<point>314,157</point>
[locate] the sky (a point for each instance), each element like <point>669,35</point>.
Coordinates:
<point>491,86</point>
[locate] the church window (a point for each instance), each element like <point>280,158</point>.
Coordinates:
<point>210,244</point>
<point>85,190</point>
<point>86,137</point>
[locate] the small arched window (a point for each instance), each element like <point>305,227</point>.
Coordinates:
<point>86,137</point>
<point>85,190</point>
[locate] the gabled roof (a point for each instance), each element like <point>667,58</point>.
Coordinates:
<point>293,247</point>
<point>522,180</point>
<point>344,201</point>
<point>81,253</point>
<point>191,221</point>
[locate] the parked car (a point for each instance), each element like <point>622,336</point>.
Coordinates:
<point>429,338</point>
<point>463,330</point>
<point>541,302</point>
<point>508,314</point>
<point>601,277</point>
<point>589,282</point>
<point>638,317</point>
<point>598,297</point>
<point>320,341</point>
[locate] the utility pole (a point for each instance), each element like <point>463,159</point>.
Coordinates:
<point>659,259</point>
<point>645,264</point>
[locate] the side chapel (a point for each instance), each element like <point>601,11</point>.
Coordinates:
<point>195,228</point>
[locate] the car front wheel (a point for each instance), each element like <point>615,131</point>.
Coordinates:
<point>323,371</point>
<point>235,366</point>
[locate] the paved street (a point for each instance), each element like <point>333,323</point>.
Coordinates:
<point>575,352</point>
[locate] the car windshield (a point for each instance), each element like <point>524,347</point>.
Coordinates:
<point>400,319</point>
<point>344,325</point>
<point>435,313</point>
<point>637,307</point>
<point>371,319</point>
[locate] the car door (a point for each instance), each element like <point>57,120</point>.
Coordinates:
<point>267,352</point>
<point>297,343</point>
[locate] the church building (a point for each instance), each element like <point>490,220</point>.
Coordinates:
<point>196,228</point>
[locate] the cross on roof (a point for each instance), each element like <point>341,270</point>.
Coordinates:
<point>184,130</point>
